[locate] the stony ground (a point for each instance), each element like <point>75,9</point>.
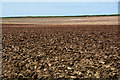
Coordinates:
<point>61,52</point>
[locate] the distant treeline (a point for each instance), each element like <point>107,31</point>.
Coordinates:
<point>61,16</point>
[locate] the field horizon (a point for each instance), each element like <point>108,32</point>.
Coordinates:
<point>69,20</point>
<point>60,16</point>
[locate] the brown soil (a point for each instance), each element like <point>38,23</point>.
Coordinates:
<point>61,51</point>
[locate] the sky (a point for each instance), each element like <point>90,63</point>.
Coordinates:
<point>60,0</point>
<point>10,9</point>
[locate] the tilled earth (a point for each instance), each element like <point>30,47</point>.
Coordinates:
<point>51,52</point>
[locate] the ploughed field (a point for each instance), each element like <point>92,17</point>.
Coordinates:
<point>61,51</point>
<point>101,20</point>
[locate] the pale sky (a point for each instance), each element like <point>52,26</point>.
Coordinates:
<point>58,8</point>
<point>59,0</point>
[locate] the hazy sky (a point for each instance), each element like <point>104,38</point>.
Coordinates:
<point>58,8</point>
<point>60,0</point>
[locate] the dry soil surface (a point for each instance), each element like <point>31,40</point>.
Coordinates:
<point>61,51</point>
<point>64,48</point>
<point>104,20</point>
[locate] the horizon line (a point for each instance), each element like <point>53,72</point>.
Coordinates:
<point>61,16</point>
